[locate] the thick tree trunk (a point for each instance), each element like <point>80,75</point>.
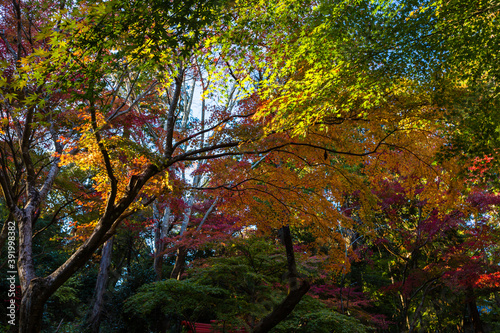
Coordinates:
<point>31,309</point>
<point>295,291</point>
<point>36,291</point>
<point>94,320</point>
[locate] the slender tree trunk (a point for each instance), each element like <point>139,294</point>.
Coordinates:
<point>476,318</point>
<point>158,257</point>
<point>182,252</point>
<point>290,258</point>
<point>416,315</point>
<point>497,298</point>
<point>180,260</point>
<point>94,320</point>
<point>179,263</point>
<point>295,291</point>
<point>282,310</point>
<point>162,227</point>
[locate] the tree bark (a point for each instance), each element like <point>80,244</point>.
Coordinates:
<point>295,291</point>
<point>416,315</point>
<point>32,303</point>
<point>290,258</point>
<point>35,290</point>
<point>94,320</point>
<point>282,310</point>
<point>476,318</point>
<point>4,232</point>
<point>161,231</point>
<point>179,263</point>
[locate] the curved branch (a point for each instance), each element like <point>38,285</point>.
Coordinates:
<point>180,142</point>
<point>107,162</point>
<point>188,156</point>
<point>54,218</point>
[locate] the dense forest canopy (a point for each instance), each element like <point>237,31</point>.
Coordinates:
<point>250,166</point>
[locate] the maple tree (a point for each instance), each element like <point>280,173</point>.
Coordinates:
<point>36,111</point>
<point>316,106</point>
<point>433,247</point>
<point>86,132</point>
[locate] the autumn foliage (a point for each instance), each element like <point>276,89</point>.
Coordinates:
<point>288,166</point>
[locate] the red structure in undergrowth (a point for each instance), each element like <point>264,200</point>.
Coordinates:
<point>209,328</point>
